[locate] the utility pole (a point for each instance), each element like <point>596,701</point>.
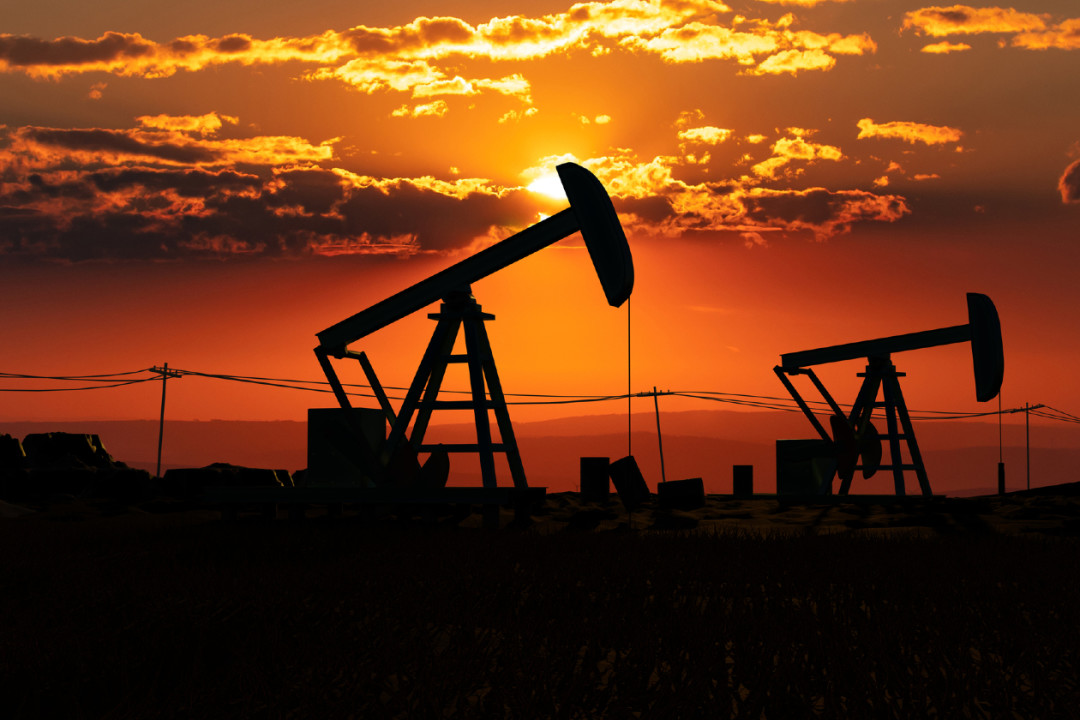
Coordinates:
<point>659,438</point>
<point>1027,435</point>
<point>165,374</point>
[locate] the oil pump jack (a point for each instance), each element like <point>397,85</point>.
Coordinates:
<point>396,462</point>
<point>853,434</point>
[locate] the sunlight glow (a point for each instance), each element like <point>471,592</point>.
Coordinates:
<point>548,184</point>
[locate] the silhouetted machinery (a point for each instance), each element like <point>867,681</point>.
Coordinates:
<point>854,436</point>
<point>392,460</point>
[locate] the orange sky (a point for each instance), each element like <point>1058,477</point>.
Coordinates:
<point>210,184</point>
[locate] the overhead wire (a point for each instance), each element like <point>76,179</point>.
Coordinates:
<point>101,381</point>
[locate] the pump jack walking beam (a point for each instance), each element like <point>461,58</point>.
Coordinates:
<point>590,212</point>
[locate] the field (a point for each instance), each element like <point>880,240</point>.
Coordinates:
<point>744,608</point>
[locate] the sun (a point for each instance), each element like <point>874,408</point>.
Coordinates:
<point>548,184</point>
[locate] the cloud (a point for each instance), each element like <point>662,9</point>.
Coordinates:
<point>1069,184</point>
<point>822,212</point>
<point>202,124</point>
<point>787,150</point>
<point>131,55</point>
<point>169,189</point>
<point>707,135</point>
<point>802,3</point>
<point>1031,31</point>
<point>423,58</point>
<point>792,61</point>
<point>652,200</point>
<point>780,49</point>
<point>965,20</point>
<point>435,109</point>
<point>944,48</point>
<point>1064,36</point>
<point>38,147</point>
<point>517,115</point>
<point>909,132</point>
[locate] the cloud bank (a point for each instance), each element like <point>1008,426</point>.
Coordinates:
<point>172,188</point>
<point>423,58</point>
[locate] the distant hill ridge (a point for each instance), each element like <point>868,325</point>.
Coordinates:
<point>961,456</point>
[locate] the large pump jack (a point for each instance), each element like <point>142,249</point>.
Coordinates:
<point>396,463</point>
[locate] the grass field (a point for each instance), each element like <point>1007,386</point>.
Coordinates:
<point>125,614</point>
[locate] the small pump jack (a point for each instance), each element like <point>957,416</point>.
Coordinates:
<point>853,434</point>
<point>396,463</point>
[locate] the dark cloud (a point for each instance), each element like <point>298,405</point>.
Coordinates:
<point>20,50</point>
<point>181,46</point>
<point>38,188</point>
<point>140,213</point>
<point>313,191</point>
<point>189,183</point>
<point>121,142</point>
<point>438,222</point>
<point>1069,184</point>
<point>957,15</point>
<point>233,44</point>
<point>655,209</point>
<point>823,212</point>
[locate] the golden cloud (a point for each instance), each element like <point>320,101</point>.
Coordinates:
<point>943,48</point>
<point>909,132</point>
<point>785,50</point>
<point>708,135</point>
<point>785,150</point>
<point>207,124</point>
<point>696,42</point>
<point>1064,36</point>
<point>417,57</point>
<point>434,109</point>
<point>161,140</point>
<point>802,3</point>
<point>650,198</point>
<point>792,61</point>
<point>965,20</point>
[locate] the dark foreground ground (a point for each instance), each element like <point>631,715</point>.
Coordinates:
<point>745,609</point>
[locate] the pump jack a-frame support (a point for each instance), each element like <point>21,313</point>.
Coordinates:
<point>460,313</point>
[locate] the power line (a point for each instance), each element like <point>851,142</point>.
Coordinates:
<point>100,377</point>
<point>104,381</point>
<point>71,389</point>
